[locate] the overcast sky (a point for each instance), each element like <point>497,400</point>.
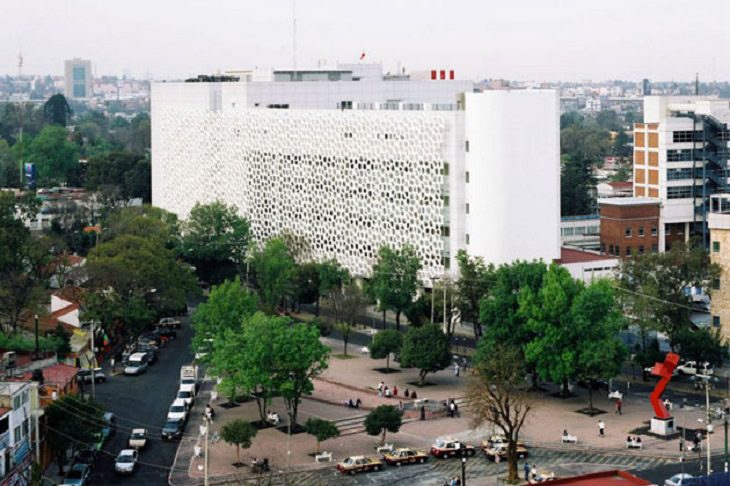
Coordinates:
<point>512,39</point>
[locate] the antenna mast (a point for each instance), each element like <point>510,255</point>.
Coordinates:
<point>294,32</point>
<point>20,118</point>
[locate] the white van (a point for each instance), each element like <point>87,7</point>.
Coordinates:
<point>136,364</point>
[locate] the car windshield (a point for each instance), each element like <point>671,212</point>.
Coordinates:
<point>138,435</point>
<point>177,408</point>
<point>125,458</point>
<point>349,460</point>
<point>183,394</point>
<point>172,424</point>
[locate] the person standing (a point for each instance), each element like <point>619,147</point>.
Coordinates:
<point>456,369</point>
<point>527,471</point>
<point>618,407</point>
<point>601,428</point>
<point>452,409</point>
<point>113,362</point>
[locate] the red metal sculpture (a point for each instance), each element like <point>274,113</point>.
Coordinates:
<point>664,371</point>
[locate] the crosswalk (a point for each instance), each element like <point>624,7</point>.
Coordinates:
<point>436,471</point>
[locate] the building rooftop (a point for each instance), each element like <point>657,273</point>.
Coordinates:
<point>604,478</point>
<point>574,255</point>
<point>621,185</point>
<point>630,201</point>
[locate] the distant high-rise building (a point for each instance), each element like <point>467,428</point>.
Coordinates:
<point>646,87</point>
<point>78,78</point>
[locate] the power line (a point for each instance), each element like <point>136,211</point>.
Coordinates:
<point>657,299</point>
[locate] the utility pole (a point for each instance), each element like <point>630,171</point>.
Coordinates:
<point>93,364</point>
<point>445,328</point>
<point>708,426</point>
<point>726,463</point>
<point>207,428</point>
<point>35,403</point>
<point>37,347</point>
<point>20,119</point>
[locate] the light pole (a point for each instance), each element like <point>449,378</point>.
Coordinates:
<point>463,471</point>
<point>726,464</point>
<point>93,364</point>
<point>36,335</point>
<point>708,425</point>
<point>207,427</point>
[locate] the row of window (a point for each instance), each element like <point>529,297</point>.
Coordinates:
<point>677,174</point>
<point>683,136</point>
<point>679,192</point>
<point>628,231</point>
<point>628,250</point>
<point>580,230</point>
<point>683,155</point>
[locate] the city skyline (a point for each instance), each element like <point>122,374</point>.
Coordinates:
<point>529,40</point>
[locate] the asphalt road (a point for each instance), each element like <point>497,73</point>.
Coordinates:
<point>143,401</point>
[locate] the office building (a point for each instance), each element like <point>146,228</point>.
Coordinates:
<point>77,74</point>
<point>352,160</point>
<point>680,157</point>
<point>629,226</point>
<point>719,224</point>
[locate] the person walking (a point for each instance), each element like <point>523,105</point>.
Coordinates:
<point>618,407</point>
<point>113,362</point>
<point>601,428</point>
<point>456,369</point>
<point>452,409</point>
<point>527,471</point>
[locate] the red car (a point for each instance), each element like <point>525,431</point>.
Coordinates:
<point>451,448</point>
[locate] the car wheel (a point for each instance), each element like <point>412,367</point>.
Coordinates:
<point>397,464</point>
<point>422,460</point>
<point>377,468</point>
<point>470,453</point>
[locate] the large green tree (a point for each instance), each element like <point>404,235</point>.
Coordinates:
<point>475,280</point>
<point>127,171</point>
<point>384,344</point>
<point>273,267</point>
<point>425,348</point>
<point>56,158</point>
<point>331,277</point>
<point>395,279</point>
<point>9,166</point>
<point>215,239</point>
<point>239,433</point>
<point>72,423</point>
<point>321,429</point>
<point>383,419</point>
<point>56,110</point>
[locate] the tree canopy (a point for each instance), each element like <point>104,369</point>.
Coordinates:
<point>321,429</point>
<point>273,267</point>
<point>384,344</point>
<point>383,419</point>
<point>56,110</point>
<point>395,279</point>
<point>239,433</point>
<point>425,348</point>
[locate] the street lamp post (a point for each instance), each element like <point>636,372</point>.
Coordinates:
<point>463,471</point>
<point>726,463</point>
<point>37,347</point>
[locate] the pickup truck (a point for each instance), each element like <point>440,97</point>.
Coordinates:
<point>691,368</point>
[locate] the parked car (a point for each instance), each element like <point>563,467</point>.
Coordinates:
<point>691,368</point>
<point>85,456</point>
<point>496,440</point>
<point>138,439</point>
<point>451,448</point>
<point>78,475</point>
<point>356,464</point>
<point>151,340</point>
<point>126,461</point>
<point>136,364</point>
<point>151,353</point>
<point>165,333</point>
<point>678,479</point>
<point>170,322</point>
<point>186,396</point>
<point>84,375</point>
<point>173,429</point>
<point>178,410</point>
<point>500,451</point>
<point>405,456</point>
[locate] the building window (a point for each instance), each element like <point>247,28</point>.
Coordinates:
<point>716,321</point>
<point>466,146</point>
<point>445,231</point>
<point>654,231</point>
<point>467,238</point>
<point>682,136</point>
<point>641,249</point>
<point>667,230</point>
<point>446,201</point>
<point>25,428</point>
<point>627,232</point>
<point>25,396</point>
<point>345,105</point>
<point>467,208</point>
<point>17,434</point>
<point>716,284</point>
<point>628,251</point>
<point>715,246</point>
<point>16,402</point>
<point>679,174</point>
<point>618,250</point>
<point>467,176</point>
<point>641,231</point>
<point>445,170</point>
<point>683,155</point>
<point>679,192</point>
<point>610,249</point>
<point>446,262</point>
<point>655,248</point>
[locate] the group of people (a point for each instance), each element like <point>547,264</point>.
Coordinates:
<point>385,391</point>
<point>453,408</point>
<point>455,481</point>
<point>353,404</point>
<point>633,440</point>
<point>259,465</point>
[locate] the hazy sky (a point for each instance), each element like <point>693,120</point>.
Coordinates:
<point>513,39</point>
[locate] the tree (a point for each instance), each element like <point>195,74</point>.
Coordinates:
<point>383,419</point>
<point>299,357</point>
<point>419,312</point>
<point>227,306</point>
<point>72,423</point>
<point>9,172</point>
<point>321,429</point>
<point>702,345</point>
<point>348,303</point>
<point>475,280</point>
<point>395,279</point>
<point>56,158</point>
<point>497,396</point>
<point>127,171</point>
<point>239,433</point>
<point>597,321</point>
<point>552,350</point>
<point>145,221</point>
<point>331,277</point>
<point>273,267</point>
<point>305,283</point>
<point>56,110</point>
<point>384,343</point>
<point>425,348</point>
<point>215,240</point>
<point>661,279</point>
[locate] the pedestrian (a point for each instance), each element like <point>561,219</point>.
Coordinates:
<point>387,392</point>
<point>451,409</point>
<point>113,362</point>
<point>358,402</point>
<point>395,390</point>
<point>618,407</point>
<point>533,472</point>
<point>400,406</point>
<point>456,409</point>
<point>456,369</point>
<point>423,412</point>
<point>407,393</point>
<point>414,395</point>
<point>527,471</point>
<point>381,385</point>
<point>601,428</point>
<point>628,386</point>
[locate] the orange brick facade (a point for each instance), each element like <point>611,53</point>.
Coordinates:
<point>628,230</point>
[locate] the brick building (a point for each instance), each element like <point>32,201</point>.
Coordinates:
<point>630,226</point>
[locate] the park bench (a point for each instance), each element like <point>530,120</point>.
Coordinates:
<point>364,350</point>
<point>324,456</point>
<point>616,395</point>
<point>385,448</point>
<point>633,444</point>
<point>569,439</point>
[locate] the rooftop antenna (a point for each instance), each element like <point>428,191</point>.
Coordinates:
<point>697,84</point>
<point>294,32</point>
<point>20,119</point>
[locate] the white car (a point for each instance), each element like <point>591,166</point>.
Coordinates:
<point>691,368</point>
<point>126,460</point>
<point>136,364</point>
<point>138,439</point>
<point>678,479</point>
<point>178,410</point>
<point>186,395</point>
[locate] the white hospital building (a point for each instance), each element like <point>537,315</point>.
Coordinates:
<point>352,160</point>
